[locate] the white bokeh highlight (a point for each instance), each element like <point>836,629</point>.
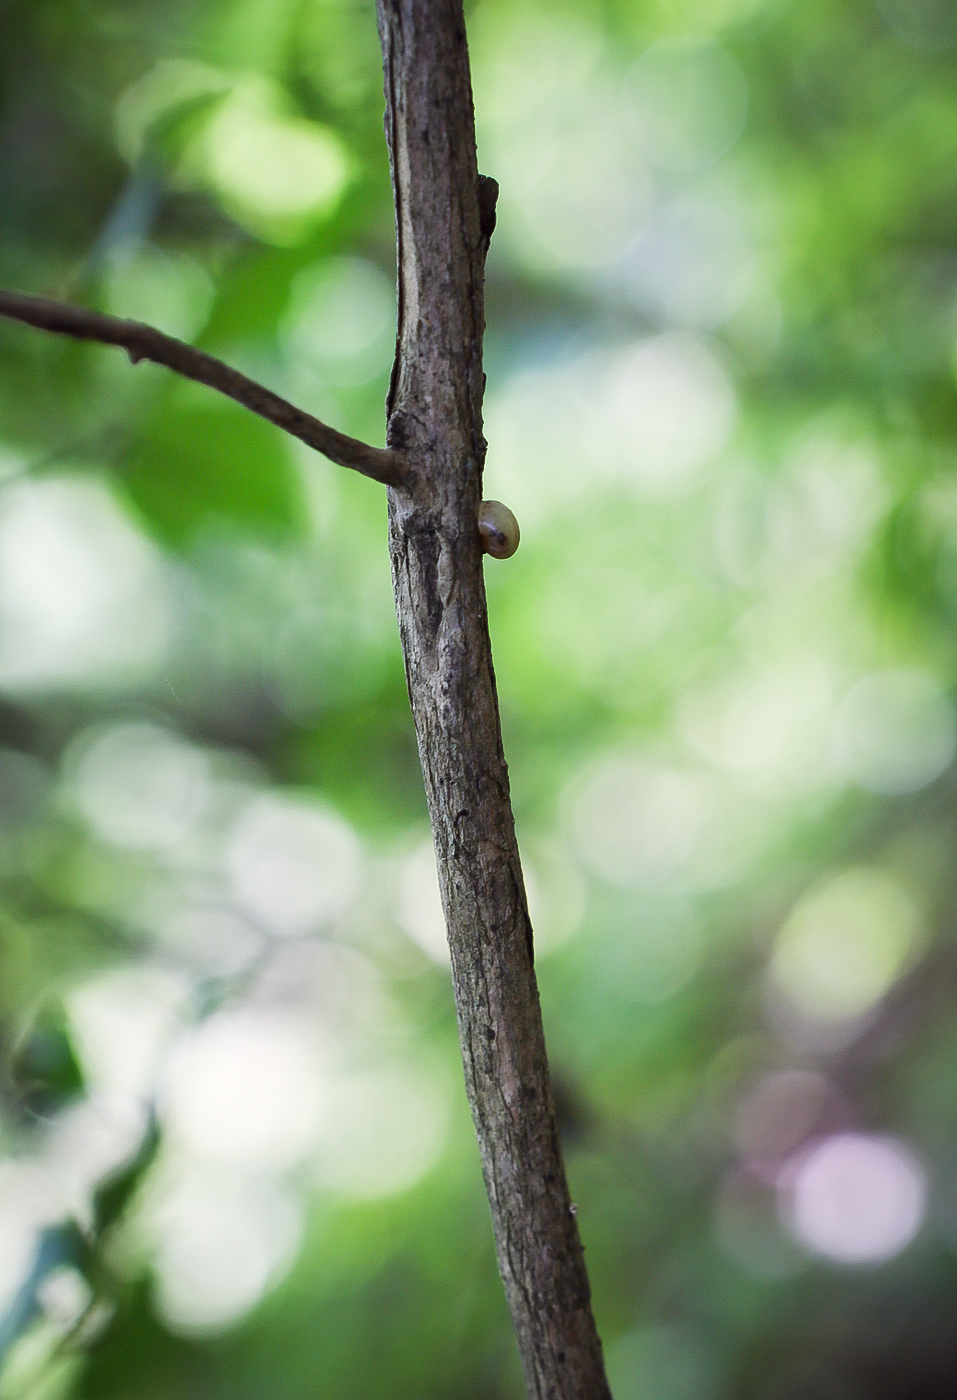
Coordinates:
<point>294,864</point>
<point>694,263</point>
<point>85,599</point>
<point>91,1139</point>
<point>637,821</point>
<point>140,786</point>
<point>382,1130</point>
<point>122,1023</point>
<point>246,1087</point>
<point>856,1198</point>
<point>895,731</point>
<point>770,727</point>
<point>647,417</point>
<point>418,904</point>
<point>575,188</point>
<point>221,1239</point>
<point>214,940</point>
<point>584,193</point>
<point>32,1195</point>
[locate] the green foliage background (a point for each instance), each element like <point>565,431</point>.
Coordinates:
<point>722,316</point>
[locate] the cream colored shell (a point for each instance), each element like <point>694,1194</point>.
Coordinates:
<point>499,530</point>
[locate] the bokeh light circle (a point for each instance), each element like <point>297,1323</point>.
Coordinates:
<point>856,1199</point>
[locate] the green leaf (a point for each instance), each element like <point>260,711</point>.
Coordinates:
<point>192,464</point>
<point>115,1192</point>
<point>43,1072</point>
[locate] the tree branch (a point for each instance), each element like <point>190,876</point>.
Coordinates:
<point>142,342</point>
<point>444,219</point>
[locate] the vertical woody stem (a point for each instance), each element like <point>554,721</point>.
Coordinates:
<point>435,416</point>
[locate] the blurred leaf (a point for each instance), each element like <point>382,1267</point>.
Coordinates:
<point>194,464</point>
<point>114,1194</point>
<point>43,1072</point>
<point>58,1246</point>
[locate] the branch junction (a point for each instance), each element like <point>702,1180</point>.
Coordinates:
<point>142,342</point>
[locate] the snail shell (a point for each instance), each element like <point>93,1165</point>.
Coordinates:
<point>499,530</point>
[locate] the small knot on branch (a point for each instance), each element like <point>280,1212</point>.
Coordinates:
<point>487,200</point>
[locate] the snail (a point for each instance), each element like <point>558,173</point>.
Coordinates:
<point>499,530</point>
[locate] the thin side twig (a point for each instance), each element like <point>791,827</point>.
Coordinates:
<point>143,342</point>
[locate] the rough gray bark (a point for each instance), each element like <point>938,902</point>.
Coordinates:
<point>443,221</point>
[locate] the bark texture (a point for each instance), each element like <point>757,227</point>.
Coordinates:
<point>444,216</point>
